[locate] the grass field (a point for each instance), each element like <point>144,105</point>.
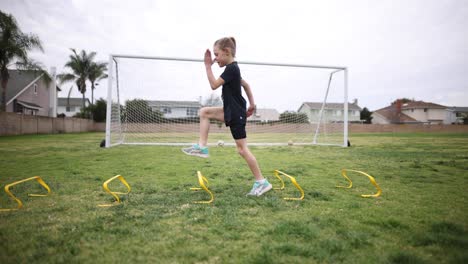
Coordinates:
<point>421,216</point>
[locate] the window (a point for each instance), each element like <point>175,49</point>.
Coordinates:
<point>191,112</point>
<point>425,109</point>
<point>166,110</point>
<point>70,109</point>
<point>35,88</point>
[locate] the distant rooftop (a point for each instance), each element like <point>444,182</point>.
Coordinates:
<point>18,81</point>
<point>74,101</point>
<point>392,114</point>
<point>331,106</point>
<point>174,104</point>
<point>263,114</point>
<point>421,104</point>
<point>459,109</point>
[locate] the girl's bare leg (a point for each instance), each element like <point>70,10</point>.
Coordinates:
<point>249,158</point>
<point>207,113</point>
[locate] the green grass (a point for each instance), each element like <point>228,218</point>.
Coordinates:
<point>421,216</point>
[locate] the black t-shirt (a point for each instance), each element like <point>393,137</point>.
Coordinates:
<point>234,103</point>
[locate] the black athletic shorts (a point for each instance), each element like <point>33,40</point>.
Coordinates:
<point>238,131</point>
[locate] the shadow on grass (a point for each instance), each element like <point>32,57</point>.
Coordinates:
<point>448,239</point>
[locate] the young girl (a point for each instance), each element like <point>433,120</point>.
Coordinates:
<point>233,113</point>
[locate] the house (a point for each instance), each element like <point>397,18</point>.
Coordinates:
<point>28,93</point>
<point>461,114</point>
<point>414,112</point>
<point>264,115</point>
<point>333,112</point>
<point>391,115</point>
<point>176,109</point>
<point>71,106</point>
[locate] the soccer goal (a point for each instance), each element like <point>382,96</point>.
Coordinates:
<point>157,101</point>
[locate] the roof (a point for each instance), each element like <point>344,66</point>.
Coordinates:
<point>316,105</point>
<point>459,109</point>
<point>174,104</point>
<point>74,101</point>
<point>19,80</point>
<point>394,116</point>
<point>421,104</point>
<point>265,114</point>
<point>29,105</point>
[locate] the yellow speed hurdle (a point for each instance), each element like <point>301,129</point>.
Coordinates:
<point>371,179</point>
<point>20,204</point>
<point>115,194</point>
<point>293,180</point>
<point>202,180</point>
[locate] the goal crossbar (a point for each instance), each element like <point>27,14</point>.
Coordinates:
<point>239,62</point>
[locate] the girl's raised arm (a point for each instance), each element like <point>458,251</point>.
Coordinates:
<point>214,83</point>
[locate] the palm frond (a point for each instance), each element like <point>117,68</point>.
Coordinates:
<point>15,44</point>
<point>66,77</point>
<point>32,65</point>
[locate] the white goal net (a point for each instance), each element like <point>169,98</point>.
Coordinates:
<point>157,100</point>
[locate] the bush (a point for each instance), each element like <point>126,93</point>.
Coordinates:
<point>366,115</point>
<point>97,112</point>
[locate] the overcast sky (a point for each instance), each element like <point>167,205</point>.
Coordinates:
<point>393,48</point>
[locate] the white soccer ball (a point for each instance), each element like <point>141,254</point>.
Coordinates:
<point>220,143</point>
<point>290,143</point>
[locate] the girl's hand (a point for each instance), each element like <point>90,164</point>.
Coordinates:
<point>208,60</point>
<point>251,110</point>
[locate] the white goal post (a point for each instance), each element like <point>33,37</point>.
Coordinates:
<point>157,101</point>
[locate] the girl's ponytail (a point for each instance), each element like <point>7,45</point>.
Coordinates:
<point>227,43</point>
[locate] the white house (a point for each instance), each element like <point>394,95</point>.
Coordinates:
<point>28,93</point>
<point>414,112</point>
<point>176,109</point>
<point>264,115</point>
<point>461,113</point>
<point>429,112</point>
<point>70,106</point>
<point>333,112</point>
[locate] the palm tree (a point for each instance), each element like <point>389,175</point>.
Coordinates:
<point>14,48</point>
<point>80,64</point>
<point>96,73</point>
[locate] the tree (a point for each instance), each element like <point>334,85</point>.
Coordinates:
<point>293,117</point>
<point>80,64</point>
<point>213,100</point>
<point>138,111</point>
<point>100,110</point>
<point>95,111</point>
<point>96,73</point>
<point>402,100</point>
<point>14,48</point>
<point>366,115</point>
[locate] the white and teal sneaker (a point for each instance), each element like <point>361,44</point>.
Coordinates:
<point>260,188</point>
<point>196,150</point>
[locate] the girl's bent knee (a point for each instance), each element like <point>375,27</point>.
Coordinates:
<point>244,152</point>
<point>203,112</point>
<point>241,151</point>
